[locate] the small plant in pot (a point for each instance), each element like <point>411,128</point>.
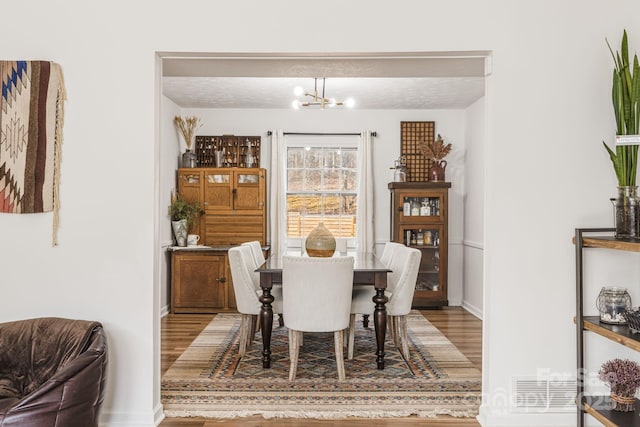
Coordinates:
<point>182,214</point>
<point>625,96</point>
<point>623,377</point>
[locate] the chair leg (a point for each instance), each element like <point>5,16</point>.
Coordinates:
<point>280,320</point>
<point>245,327</point>
<point>391,329</point>
<point>256,325</point>
<point>404,338</point>
<point>293,353</point>
<point>352,336</point>
<point>338,338</point>
<point>365,320</point>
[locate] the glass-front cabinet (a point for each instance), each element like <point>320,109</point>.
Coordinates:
<point>419,220</point>
<point>233,200</point>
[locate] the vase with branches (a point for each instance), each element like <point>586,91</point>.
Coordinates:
<point>623,378</point>
<point>435,152</point>
<point>188,127</point>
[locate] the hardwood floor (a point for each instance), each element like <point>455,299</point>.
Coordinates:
<point>461,328</point>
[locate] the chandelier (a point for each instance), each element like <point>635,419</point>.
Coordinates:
<point>315,99</point>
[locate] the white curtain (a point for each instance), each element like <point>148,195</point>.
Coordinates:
<point>365,240</point>
<point>277,198</point>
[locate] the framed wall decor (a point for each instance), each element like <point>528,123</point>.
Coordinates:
<point>411,134</point>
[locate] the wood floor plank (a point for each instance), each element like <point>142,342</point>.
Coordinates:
<point>461,328</point>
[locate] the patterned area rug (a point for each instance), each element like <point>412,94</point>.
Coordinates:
<point>209,380</point>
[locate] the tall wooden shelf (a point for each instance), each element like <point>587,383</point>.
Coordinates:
<point>431,224</point>
<point>599,406</point>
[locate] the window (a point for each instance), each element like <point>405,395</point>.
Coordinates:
<point>321,185</point>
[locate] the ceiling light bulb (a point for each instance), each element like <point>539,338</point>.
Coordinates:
<point>332,102</point>
<point>350,102</point>
<point>295,104</point>
<point>298,91</point>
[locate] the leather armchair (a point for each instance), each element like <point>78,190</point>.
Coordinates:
<point>52,372</point>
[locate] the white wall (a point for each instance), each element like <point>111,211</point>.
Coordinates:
<point>548,109</point>
<point>473,197</point>
<point>171,147</point>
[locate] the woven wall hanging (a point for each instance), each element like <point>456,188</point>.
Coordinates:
<point>31,120</point>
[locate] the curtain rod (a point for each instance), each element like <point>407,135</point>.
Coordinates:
<point>269,133</point>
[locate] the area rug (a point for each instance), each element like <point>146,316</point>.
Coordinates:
<point>210,380</point>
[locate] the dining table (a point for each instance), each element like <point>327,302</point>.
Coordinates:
<point>368,270</point>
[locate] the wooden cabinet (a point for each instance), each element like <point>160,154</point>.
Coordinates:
<point>598,406</point>
<point>233,200</point>
<point>419,219</point>
<point>234,205</point>
<point>200,281</point>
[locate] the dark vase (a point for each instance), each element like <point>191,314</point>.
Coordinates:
<point>626,212</point>
<point>436,171</point>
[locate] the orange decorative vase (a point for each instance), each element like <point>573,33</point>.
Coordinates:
<point>320,242</point>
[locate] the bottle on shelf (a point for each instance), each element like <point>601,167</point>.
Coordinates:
<point>406,207</point>
<point>424,209</point>
<point>415,207</point>
<point>420,238</point>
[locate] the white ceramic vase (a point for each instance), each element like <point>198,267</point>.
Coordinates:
<point>180,231</point>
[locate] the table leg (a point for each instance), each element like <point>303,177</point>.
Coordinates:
<point>380,323</point>
<point>266,324</point>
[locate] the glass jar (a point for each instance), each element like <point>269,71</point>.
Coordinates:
<point>612,302</point>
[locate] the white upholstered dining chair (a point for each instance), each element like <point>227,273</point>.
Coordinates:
<point>388,251</point>
<point>316,296</point>
<point>255,260</point>
<point>256,251</point>
<point>401,283</point>
<point>247,295</point>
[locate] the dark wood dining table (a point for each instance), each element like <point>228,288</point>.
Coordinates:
<point>368,270</point>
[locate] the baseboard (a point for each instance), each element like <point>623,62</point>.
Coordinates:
<point>500,417</point>
<point>159,414</point>
<point>164,311</point>
<point>124,419</point>
<point>472,309</point>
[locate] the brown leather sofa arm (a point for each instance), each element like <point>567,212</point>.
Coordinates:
<point>73,395</point>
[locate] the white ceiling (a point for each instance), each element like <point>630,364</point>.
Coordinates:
<point>380,81</point>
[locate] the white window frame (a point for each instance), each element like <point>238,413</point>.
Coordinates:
<point>296,244</point>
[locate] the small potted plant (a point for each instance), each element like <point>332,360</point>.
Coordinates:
<point>625,96</point>
<point>623,377</point>
<point>435,151</point>
<point>182,214</point>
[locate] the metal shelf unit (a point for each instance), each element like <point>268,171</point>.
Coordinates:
<point>599,406</point>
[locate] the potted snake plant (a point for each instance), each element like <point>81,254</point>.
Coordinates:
<point>625,96</point>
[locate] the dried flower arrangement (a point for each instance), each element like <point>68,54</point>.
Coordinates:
<point>187,127</point>
<point>623,377</point>
<point>436,150</point>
